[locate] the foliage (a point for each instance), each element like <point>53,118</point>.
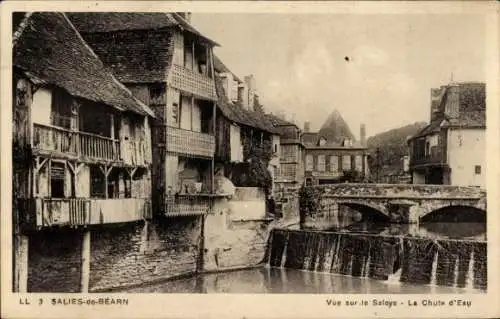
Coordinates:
<point>392,146</point>
<point>254,172</point>
<point>309,201</point>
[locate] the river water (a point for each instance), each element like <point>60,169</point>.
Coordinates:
<point>282,280</point>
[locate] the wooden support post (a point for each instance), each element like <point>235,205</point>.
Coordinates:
<point>105,171</point>
<point>85,274</point>
<point>192,111</point>
<point>214,122</point>
<point>49,167</point>
<point>21,264</point>
<point>192,56</point>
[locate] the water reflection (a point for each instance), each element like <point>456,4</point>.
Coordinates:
<point>470,231</point>
<point>280,280</point>
<point>351,221</point>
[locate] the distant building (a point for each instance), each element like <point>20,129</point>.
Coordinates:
<point>290,173</point>
<point>241,130</point>
<point>451,149</point>
<point>333,151</point>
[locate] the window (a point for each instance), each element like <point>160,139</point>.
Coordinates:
<point>309,163</point>
<point>57,174</point>
<point>321,163</point>
<point>346,162</point>
<point>275,148</point>
<point>477,169</point>
<point>334,163</point>
<point>96,182</point>
<point>359,163</point>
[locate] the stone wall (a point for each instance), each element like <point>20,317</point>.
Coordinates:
<point>54,261</point>
<point>138,253</point>
<point>236,232</point>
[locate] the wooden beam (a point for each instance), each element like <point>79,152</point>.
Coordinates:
<point>71,167</point>
<point>49,177</point>
<point>85,259</point>
<point>78,167</point>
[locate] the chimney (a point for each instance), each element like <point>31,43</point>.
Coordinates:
<point>281,115</point>
<point>452,101</point>
<point>362,134</point>
<point>435,102</point>
<point>251,90</point>
<point>185,15</point>
<point>307,127</point>
<point>243,94</point>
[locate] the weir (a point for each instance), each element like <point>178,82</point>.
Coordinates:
<point>446,262</point>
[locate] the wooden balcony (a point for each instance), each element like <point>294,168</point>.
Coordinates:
<point>436,156</point>
<point>56,141</point>
<point>187,205</point>
<point>193,82</point>
<point>73,212</point>
<point>189,143</point>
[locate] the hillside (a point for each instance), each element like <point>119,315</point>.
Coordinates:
<point>392,145</point>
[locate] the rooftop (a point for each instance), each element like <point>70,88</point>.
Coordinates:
<point>50,50</point>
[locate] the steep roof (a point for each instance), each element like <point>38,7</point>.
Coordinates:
<point>472,109</point>
<point>220,67</point>
<point>92,22</point>
<point>238,114</point>
<point>335,129</point>
<point>50,50</point>
<point>140,57</point>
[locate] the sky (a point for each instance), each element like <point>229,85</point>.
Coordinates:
<point>299,62</point>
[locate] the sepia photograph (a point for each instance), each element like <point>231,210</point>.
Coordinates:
<point>196,152</point>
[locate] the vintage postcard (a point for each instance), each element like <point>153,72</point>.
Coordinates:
<point>250,159</point>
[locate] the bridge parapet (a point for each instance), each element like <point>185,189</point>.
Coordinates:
<point>400,191</point>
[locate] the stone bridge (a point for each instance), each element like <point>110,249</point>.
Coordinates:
<point>400,203</point>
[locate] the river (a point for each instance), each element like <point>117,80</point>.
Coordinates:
<point>281,280</point>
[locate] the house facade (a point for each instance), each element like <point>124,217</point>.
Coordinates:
<point>451,149</point>
<point>243,133</point>
<point>169,66</point>
<point>292,154</point>
<point>81,141</point>
<point>332,153</point>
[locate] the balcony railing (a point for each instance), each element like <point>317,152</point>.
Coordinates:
<point>53,139</point>
<point>190,143</point>
<point>193,82</point>
<point>436,156</point>
<point>187,205</point>
<point>74,212</point>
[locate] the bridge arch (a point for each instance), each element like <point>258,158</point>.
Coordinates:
<point>368,210</point>
<point>454,213</point>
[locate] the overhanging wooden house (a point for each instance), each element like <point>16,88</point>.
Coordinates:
<point>168,65</point>
<point>81,141</point>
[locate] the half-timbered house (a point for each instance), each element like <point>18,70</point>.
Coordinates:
<point>81,140</point>
<point>168,65</point>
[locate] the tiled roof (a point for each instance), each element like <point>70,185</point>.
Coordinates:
<point>220,67</point>
<point>52,51</point>
<point>141,57</point>
<point>92,22</point>
<point>238,114</point>
<point>472,109</point>
<point>335,129</point>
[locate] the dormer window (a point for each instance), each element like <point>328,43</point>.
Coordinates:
<point>347,142</point>
<point>322,141</point>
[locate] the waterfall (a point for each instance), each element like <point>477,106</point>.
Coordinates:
<point>456,272</point>
<point>366,272</point>
<point>434,269</point>
<point>351,261</point>
<point>283,256</point>
<point>336,257</point>
<point>395,277</point>
<point>470,272</point>
<point>307,253</point>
